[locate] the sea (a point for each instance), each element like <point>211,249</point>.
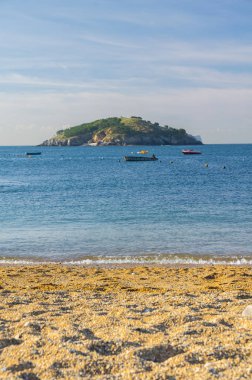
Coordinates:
<point>87,205</point>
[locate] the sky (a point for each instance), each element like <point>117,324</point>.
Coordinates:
<point>182,63</point>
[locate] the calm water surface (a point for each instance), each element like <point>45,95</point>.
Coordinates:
<point>86,203</point>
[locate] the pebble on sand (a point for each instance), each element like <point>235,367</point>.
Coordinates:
<point>247,312</point>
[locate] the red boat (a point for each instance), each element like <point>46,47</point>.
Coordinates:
<point>190,151</point>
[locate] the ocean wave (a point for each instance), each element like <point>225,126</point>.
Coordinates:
<point>167,261</point>
<point>133,260</point>
<point>25,262</point>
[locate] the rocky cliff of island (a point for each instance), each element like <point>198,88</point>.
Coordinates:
<point>121,131</point>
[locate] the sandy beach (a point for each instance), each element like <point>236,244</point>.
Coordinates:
<point>72,322</point>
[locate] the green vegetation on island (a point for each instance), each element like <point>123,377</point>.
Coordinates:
<point>121,131</point>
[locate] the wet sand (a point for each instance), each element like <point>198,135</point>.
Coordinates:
<point>70,322</point>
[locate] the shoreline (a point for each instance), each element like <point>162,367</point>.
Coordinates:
<point>166,260</point>
<point>122,265</point>
<point>125,322</point>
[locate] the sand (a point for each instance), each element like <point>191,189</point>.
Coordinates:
<point>72,322</point>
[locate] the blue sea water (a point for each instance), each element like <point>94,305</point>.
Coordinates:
<point>85,204</point>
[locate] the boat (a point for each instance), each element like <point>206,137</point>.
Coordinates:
<point>33,153</point>
<point>143,151</point>
<point>190,151</point>
<point>140,158</point>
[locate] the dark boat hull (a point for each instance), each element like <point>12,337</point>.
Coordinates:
<point>191,152</point>
<point>33,153</point>
<point>137,158</point>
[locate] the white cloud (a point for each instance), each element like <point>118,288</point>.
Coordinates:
<point>214,78</point>
<point>24,80</point>
<point>112,41</point>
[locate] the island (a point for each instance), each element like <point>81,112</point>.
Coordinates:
<point>121,131</point>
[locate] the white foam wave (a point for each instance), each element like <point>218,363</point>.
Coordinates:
<point>25,262</point>
<point>170,261</point>
<point>141,260</point>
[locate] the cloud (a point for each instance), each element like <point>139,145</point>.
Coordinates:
<point>110,41</point>
<point>40,83</point>
<point>206,77</point>
<point>131,66</point>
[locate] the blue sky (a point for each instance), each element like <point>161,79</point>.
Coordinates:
<point>186,63</point>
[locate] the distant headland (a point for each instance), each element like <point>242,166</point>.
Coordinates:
<point>121,131</point>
